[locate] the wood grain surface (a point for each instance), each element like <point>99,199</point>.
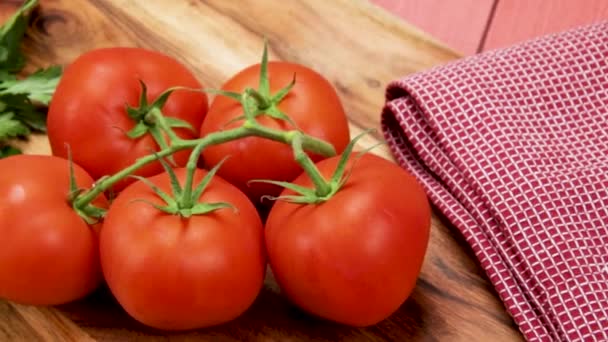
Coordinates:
<point>359,48</point>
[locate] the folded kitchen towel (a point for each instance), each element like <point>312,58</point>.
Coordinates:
<point>512,147</point>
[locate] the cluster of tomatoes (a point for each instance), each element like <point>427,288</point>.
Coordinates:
<point>352,258</point>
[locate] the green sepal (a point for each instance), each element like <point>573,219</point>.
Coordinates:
<point>178,123</point>
<point>296,199</point>
<point>138,113</point>
<point>133,113</point>
<point>150,119</point>
<point>206,208</point>
<point>250,108</point>
<point>143,97</point>
<point>276,113</point>
<point>91,214</point>
<point>256,102</point>
<point>356,159</point>
<point>280,95</point>
<point>175,186</point>
<point>162,98</point>
<point>291,186</point>
<point>200,188</point>
<point>174,202</point>
<point>264,86</point>
<point>172,210</point>
<point>140,129</point>
<point>85,217</point>
<point>163,195</point>
<point>157,134</point>
<point>337,176</point>
<point>74,191</point>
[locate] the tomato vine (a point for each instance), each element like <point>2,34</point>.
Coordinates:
<point>149,118</point>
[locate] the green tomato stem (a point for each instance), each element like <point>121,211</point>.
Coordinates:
<point>155,116</point>
<point>308,142</point>
<point>323,188</point>
<point>186,198</point>
<point>249,128</point>
<point>211,139</point>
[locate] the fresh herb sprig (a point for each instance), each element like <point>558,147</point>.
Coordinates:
<point>22,99</point>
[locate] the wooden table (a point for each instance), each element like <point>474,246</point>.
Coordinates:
<point>360,48</point>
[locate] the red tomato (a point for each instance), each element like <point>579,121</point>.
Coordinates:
<point>312,104</point>
<point>88,108</point>
<point>49,255</point>
<point>174,273</point>
<point>355,258</point>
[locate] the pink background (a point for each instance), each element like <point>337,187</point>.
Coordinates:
<point>470,26</point>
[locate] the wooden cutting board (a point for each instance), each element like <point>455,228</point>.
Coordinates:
<point>359,48</point>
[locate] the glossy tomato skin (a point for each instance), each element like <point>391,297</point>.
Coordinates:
<point>88,108</point>
<point>49,255</point>
<point>312,104</point>
<point>175,273</point>
<point>355,258</point>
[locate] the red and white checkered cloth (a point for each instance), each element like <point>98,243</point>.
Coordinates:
<point>512,147</point>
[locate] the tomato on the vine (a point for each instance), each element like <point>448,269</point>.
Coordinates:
<point>88,111</point>
<point>355,258</point>
<point>312,104</point>
<point>49,254</point>
<point>174,272</point>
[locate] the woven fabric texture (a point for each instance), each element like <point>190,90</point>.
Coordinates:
<point>512,147</point>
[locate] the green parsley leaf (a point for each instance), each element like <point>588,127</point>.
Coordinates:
<point>11,34</point>
<point>23,110</point>
<point>22,100</point>
<point>11,127</point>
<point>7,151</point>
<point>38,87</point>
